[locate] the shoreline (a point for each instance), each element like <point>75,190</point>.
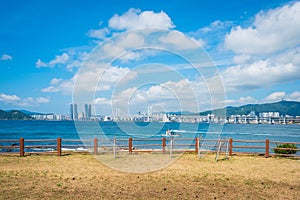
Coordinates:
<point>131,121</point>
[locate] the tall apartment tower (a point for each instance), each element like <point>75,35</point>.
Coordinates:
<point>90,112</point>
<point>87,111</point>
<point>71,112</point>
<point>75,117</point>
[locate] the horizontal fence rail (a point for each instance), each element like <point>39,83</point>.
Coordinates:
<point>132,145</point>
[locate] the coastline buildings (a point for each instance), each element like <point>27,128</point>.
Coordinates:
<point>269,114</point>
<point>163,117</point>
<point>57,117</point>
<point>251,118</point>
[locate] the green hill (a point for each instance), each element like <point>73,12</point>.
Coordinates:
<point>291,108</point>
<point>13,115</point>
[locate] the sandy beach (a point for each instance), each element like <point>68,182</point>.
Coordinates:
<point>80,176</point>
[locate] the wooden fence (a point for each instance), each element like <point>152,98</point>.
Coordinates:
<point>131,145</point>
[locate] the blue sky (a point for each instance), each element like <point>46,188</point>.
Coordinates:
<point>45,46</point>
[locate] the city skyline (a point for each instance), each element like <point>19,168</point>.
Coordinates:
<point>251,111</point>
<point>44,49</point>
<point>283,112</point>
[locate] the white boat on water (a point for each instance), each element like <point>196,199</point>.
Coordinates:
<point>171,133</point>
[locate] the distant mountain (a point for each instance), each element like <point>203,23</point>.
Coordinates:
<point>291,108</point>
<point>13,115</point>
<point>30,113</point>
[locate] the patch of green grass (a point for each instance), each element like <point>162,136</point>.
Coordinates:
<point>248,182</point>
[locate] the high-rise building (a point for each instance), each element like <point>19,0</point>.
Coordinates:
<point>75,112</point>
<point>90,112</point>
<point>71,112</point>
<point>85,115</point>
<point>87,111</point>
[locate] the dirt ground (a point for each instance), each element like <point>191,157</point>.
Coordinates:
<point>81,176</point>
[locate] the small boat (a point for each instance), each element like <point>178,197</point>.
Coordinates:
<point>171,133</point>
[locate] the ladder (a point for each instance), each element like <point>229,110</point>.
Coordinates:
<point>220,144</point>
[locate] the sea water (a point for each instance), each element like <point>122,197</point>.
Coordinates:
<point>86,130</point>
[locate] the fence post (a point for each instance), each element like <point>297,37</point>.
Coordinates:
<point>163,145</point>
<point>95,146</point>
<point>21,141</point>
<point>59,146</point>
<point>196,144</point>
<point>267,148</point>
<point>171,147</point>
<point>115,147</point>
<point>130,145</point>
<point>230,147</point>
<point>199,140</point>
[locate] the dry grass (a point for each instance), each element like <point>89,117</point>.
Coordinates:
<point>83,177</point>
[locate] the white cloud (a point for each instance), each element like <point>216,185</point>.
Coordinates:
<point>76,60</point>
<point>102,106</point>
<point>17,101</point>
<point>131,56</point>
<point>64,86</point>
<point>51,88</point>
<point>272,31</point>
<point>268,52</point>
<point>113,74</point>
<point>258,74</point>
<point>120,47</point>
<point>6,57</point>
<point>177,40</point>
<point>87,80</point>
<point>171,94</point>
<point>102,101</point>
<point>42,100</point>
<point>108,79</point>
<point>275,96</point>
<point>294,96</point>
<point>55,81</point>
<point>216,26</point>
<point>99,33</point>
<point>212,35</point>
<point>60,59</point>
<point>253,74</point>
<point>290,56</point>
<point>70,60</point>
<point>136,45</point>
<point>9,98</point>
<point>135,18</point>
<point>131,40</point>
<point>39,63</point>
<point>241,101</point>
<point>168,96</point>
<point>111,50</point>
<point>242,59</point>
<point>199,41</point>
<point>278,96</point>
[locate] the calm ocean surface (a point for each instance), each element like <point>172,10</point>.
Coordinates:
<point>68,130</point>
